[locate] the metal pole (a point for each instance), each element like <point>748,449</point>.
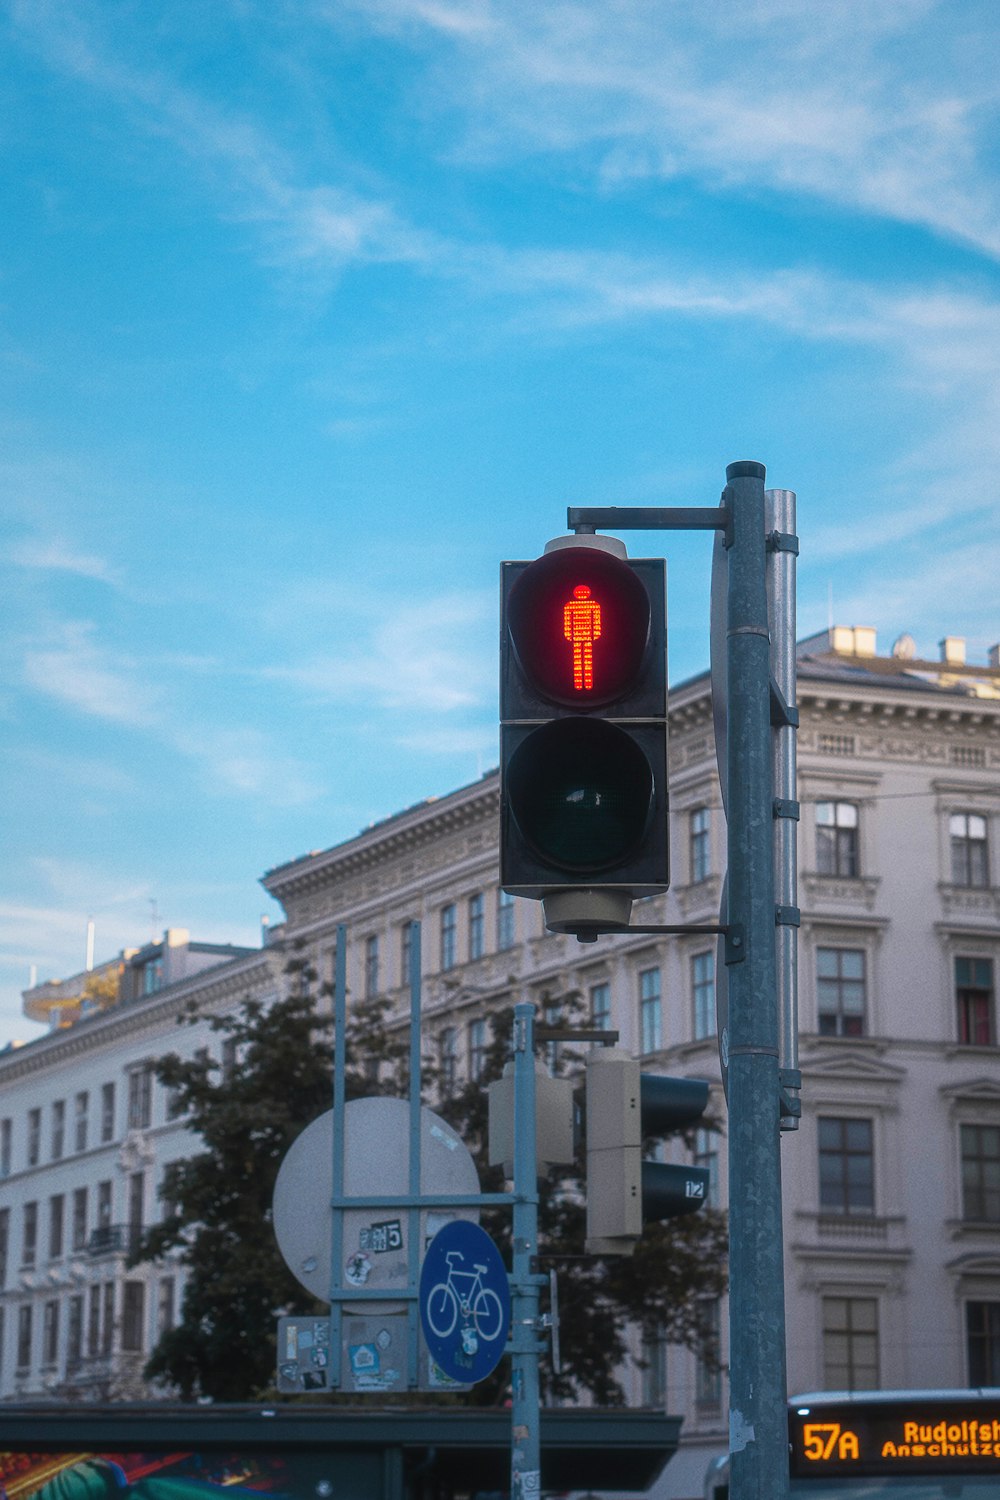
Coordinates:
<point>781,604</point>
<point>415,1248</point>
<point>757,1418</point>
<point>339,1101</point>
<point>525,1450</point>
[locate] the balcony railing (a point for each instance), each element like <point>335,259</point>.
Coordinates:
<point>114,1239</point>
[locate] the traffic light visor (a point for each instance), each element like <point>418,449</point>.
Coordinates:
<point>580,791</point>
<point>579,624</point>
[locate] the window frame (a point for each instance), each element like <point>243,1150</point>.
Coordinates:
<point>448,936</point>
<point>477,925</point>
<point>840,981</point>
<point>859,1373</point>
<point>650,1010</point>
<point>848,1206</point>
<point>703,994</point>
<point>979,1194</point>
<point>838,857</point>
<point>699,844</point>
<point>969,1027</point>
<point>968,854</point>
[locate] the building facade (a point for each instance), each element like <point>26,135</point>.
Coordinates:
<point>892,1181</point>
<point>86,1133</point>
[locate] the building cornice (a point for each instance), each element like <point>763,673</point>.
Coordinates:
<point>405,833</point>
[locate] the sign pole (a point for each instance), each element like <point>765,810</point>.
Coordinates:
<point>757,1416</point>
<point>525,1448</point>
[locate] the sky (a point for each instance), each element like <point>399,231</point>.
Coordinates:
<point>312,311</point>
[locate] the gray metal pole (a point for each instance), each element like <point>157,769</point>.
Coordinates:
<point>525,1448</point>
<point>757,1418</point>
<point>415,1248</point>
<point>781,610</point>
<point>339,1102</point>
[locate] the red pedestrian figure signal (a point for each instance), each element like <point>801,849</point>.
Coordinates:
<point>582,627</point>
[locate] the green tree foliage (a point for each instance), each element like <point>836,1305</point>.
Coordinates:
<point>220,1223</point>
<point>247,1116</point>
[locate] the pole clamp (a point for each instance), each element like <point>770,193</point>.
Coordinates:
<point>782,713</point>
<point>782,541</point>
<point>787,916</point>
<point>786,807</point>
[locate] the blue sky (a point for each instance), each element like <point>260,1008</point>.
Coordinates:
<point>311,311</point>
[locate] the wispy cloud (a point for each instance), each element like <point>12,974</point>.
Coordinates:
<point>55,555</point>
<point>416,654</point>
<point>77,670</point>
<point>847,103</point>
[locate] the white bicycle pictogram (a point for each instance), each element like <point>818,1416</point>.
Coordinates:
<point>463,1293</point>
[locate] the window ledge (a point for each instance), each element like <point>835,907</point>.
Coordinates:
<point>853,890</point>
<point>961,1229</point>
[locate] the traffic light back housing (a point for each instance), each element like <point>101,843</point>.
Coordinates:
<point>624,1106</point>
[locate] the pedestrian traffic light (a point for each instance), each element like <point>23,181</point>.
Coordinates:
<point>624,1107</point>
<point>583,708</point>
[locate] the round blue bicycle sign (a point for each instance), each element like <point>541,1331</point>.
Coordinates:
<point>464,1302</point>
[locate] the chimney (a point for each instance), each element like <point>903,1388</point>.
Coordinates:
<point>953,650</point>
<point>864,640</point>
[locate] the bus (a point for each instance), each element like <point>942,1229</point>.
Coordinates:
<point>888,1445</point>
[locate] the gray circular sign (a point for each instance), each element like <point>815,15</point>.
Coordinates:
<point>375,1252</point>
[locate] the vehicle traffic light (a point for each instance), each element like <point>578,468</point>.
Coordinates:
<point>624,1107</point>
<point>583,708</point>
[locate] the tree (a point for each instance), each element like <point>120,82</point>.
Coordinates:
<point>220,1219</point>
<point>219,1223</point>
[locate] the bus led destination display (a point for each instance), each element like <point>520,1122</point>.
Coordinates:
<point>924,1436</point>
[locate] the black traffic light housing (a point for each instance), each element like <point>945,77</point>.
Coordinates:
<point>624,1107</point>
<point>583,708</point>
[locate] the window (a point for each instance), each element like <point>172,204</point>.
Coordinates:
<point>371,967</point>
<point>650,1020</point>
<point>974,1001</point>
<point>6,1143</point>
<point>140,1097</point>
<point>703,993</point>
<point>699,832</point>
<point>600,1007</point>
<point>448,930</point>
<point>80,1121</point>
<point>94,1322</point>
<point>58,1128</point>
<point>74,1331</point>
<point>846,1167</point>
<point>405,951</point>
<point>706,1154</point>
<point>165,1303</point>
<point>29,1244</point>
<point>24,1336</point>
<point>850,1343</point>
<point>107,1112</point>
<point>981,1173</point>
<point>104,1205</point>
<point>136,1200</point>
<point>708,1372</point>
<point>57,1214</point>
<point>50,1333</point>
<point>478,1047</point>
<point>840,991</point>
<point>477,922</point>
<point>836,838</point>
<point>654,1370</point>
<point>34,1137</point>
<point>133,1311</point>
<point>4,1245</point>
<point>152,976</point>
<point>982,1333</point>
<point>505,921</point>
<point>78,1231</point>
<point>969,854</point>
<point>552,1016</point>
<point>108,1317</point>
<point>448,1054</point>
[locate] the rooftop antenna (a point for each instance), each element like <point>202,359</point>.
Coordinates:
<point>154,920</point>
<point>90,944</point>
<point>829,604</point>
